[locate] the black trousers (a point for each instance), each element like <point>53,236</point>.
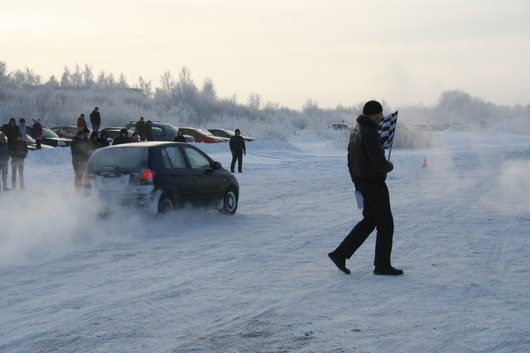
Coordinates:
<point>376,214</point>
<point>237,156</point>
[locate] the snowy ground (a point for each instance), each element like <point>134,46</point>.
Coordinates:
<point>260,281</point>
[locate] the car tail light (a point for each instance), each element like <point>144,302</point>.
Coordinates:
<point>84,178</point>
<point>148,174</point>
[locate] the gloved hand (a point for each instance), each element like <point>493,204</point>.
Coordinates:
<point>390,167</point>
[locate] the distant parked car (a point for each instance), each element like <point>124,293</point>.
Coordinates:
<point>201,135</point>
<point>228,134</point>
<point>161,131</point>
<point>65,131</point>
<point>339,126</point>
<point>50,138</point>
<point>32,144</point>
<point>113,132</point>
<point>160,176</point>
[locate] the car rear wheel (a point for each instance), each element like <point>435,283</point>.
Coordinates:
<point>165,204</point>
<point>230,202</point>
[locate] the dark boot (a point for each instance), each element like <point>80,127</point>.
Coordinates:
<point>339,261</point>
<point>388,271</point>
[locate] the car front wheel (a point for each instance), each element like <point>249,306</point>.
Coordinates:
<point>230,202</point>
<point>165,204</point>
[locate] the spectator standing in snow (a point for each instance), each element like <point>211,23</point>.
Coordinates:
<point>18,154</point>
<point>123,138</point>
<point>149,131</point>
<point>36,132</point>
<point>23,130</point>
<point>135,137</point>
<point>4,159</point>
<point>95,119</point>
<point>368,169</point>
<point>179,137</point>
<point>238,149</point>
<point>103,139</point>
<point>141,128</point>
<point>80,149</point>
<point>11,130</point>
<point>93,142</point>
<point>81,122</point>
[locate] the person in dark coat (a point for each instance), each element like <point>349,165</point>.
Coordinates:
<point>4,159</point>
<point>11,130</point>
<point>179,137</point>
<point>238,149</point>
<point>141,128</point>
<point>149,131</point>
<point>103,139</point>
<point>81,151</point>
<point>123,138</point>
<point>95,119</point>
<point>81,122</point>
<point>18,154</point>
<point>36,132</point>
<point>93,142</point>
<point>368,168</point>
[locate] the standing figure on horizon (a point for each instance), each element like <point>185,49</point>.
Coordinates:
<point>368,169</point>
<point>36,132</point>
<point>95,119</point>
<point>18,154</point>
<point>81,123</point>
<point>4,160</point>
<point>238,149</point>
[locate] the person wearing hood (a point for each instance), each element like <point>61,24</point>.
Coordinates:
<point>36,132</point>
<point>11,130</point>
<point>4,159</point>
<point>81,151</point>
<point>123,138</point>
<point>81,122</point>
<point>368,168</point>
<point>18,154</point>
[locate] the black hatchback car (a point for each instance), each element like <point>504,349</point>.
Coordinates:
<point>160,176</point>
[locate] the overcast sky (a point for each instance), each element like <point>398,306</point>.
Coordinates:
<point>333,51</point>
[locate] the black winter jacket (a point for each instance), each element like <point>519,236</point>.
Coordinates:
<point>20,149</point>
<point>95,117</point>
<point>80,149</point>
<point>237,144</point>
<point>366,157</point>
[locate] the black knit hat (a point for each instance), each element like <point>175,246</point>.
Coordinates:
<point>372,108</point>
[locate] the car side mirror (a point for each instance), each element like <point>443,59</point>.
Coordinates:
<point>217,165</point>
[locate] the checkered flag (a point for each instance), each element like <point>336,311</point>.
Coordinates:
<point>388,128</point>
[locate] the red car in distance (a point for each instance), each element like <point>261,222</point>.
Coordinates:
<point>201,135</point>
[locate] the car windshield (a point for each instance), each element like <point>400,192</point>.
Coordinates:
<point>206,132</point>
<point>49,133</point>
<point>171,129</point>
<point>118,158</point>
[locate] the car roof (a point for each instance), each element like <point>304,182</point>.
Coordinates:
<point>146,144</point>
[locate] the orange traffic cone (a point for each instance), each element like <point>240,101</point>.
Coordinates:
<point>424,162</point>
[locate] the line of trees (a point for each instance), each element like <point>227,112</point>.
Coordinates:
<point>180,101</point>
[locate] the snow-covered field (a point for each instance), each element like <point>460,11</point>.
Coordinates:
<point>260,281</point>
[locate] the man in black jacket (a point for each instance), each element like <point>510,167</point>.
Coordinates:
<point>238,149</point>
<point>368,169</point>
<point>18,154</point>
<point>80,148</point>
<point>123,138</point>
<point>95,119</point>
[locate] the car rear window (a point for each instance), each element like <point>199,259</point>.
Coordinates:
<point>119,158</point>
